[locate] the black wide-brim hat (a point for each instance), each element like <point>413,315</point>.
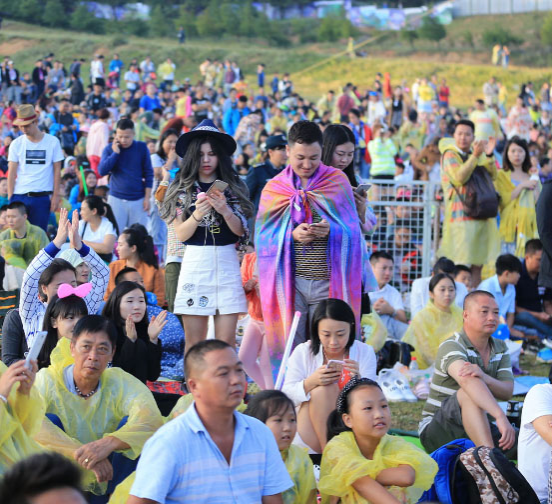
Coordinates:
<point>206,128</point>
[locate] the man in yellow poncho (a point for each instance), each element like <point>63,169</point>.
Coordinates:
<point>100,417</point>
<point>466,240</point>
<point>21,414</point>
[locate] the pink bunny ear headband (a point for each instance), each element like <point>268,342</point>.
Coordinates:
<point>68,290</point>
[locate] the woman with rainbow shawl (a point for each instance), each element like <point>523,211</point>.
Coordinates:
<point>308,240</point>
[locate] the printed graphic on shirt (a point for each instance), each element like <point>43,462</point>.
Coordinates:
<point>35,157</point>
<point>203,300</point>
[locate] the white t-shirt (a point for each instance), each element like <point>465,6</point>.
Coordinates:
<point>97,236</point>
<point>35,172</point>
<point>390,294</point>
<point>534,451</point>
<point>419,295</point>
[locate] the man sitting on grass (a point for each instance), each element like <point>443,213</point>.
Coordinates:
<point>472,372</point>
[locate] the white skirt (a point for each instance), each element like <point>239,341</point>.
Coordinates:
<point>210,282</point>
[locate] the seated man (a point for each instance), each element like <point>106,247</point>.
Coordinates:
<point>387,301</point>
<point>535,439</point>
<point>502,287</point>
<point>96,414</point>
<point>529,303</point>
<point>420,287</point>
<point>22,241</point>
<point>212,454</point>
<point>472,372</point>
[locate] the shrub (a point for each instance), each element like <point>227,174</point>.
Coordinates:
<point>83,20</point>
<point>467,38</point>
<point>118,40</point>
<point>54,14</point>
<point>432,30</point>
<point>408,36</point>
<point>501,36</point>
<point>546,30</point>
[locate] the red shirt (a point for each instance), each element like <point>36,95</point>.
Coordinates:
<point>444,93</point>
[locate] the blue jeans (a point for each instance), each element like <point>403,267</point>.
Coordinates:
<point>122,466</point>
<point>38,209</point>
<point>528,320</point>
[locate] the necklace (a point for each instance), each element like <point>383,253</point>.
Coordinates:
<point>86,396</point>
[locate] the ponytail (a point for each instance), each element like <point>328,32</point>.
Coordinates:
<point>94,202</point>
<point>139,237</point>
<point>335,425</point>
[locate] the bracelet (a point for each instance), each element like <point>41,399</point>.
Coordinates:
<point>194,217</point>
<point>4,398</point>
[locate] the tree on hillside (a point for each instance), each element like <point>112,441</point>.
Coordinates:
<point>229,18</point>
<point>186,19</point>
<point>208,23</point>
<point>408,36</point>
<point>160,23</point>
<point>54,14</point>
<point>28,9</point>
<point>546,30</point>
<point>83,20</point>
<point>432,30</point>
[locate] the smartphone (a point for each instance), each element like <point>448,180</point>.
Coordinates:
<point>218,185</point>
<point>363,187</point>
<point>35,348</point>
<point>335,364</point>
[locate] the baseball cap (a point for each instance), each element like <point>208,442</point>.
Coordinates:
<point>274,141</point>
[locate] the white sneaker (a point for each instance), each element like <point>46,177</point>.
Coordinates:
<point>547,342</point>
<point>387,382</point>
<point>404,388</point>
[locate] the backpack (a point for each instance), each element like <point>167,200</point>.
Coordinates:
<point>448,486</point>
<point>481,198</point>
<point>393,351</point>
<point>492,479</point>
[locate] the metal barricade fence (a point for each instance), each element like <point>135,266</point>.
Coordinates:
<point>408,227</point>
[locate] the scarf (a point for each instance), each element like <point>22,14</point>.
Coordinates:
<point>284,205</point>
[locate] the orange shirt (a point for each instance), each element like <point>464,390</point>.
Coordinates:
<point>248,270</point>
<point>154,279</point>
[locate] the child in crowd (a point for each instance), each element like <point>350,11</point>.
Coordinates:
<point>361,462</point>
<point>3,191</point>
<point>276,410</point>
<point>502,287</point>
<point>387,301</point>
<point>462,274</point>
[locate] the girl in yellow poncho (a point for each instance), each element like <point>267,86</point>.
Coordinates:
<point>519,192</point>
<point>276,410</point>
<point>362,464</point>
<point>21,414</point>
<point>435,322</point>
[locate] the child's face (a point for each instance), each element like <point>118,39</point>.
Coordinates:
<point>3,186</point>
<point>511,277</point>
<point>369,414</point>
<point>284,426</point>
<point>545,170</point>
<point>465,278</point>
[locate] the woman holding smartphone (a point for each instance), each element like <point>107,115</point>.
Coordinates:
<point>210,206</point>
<point>319,368</point>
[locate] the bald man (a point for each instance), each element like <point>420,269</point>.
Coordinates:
<point>472,372</point>
<point>211,453</point>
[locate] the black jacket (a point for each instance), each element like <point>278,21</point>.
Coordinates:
<point>544,224</point>
<point>256,179</point>
<point>14,343</point>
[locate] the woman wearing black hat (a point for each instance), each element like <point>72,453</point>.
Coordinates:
<point>209,224</point>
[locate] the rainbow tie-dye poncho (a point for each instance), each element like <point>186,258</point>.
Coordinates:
<point>284,205</point>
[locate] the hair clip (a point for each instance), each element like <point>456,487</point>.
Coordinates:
<point>68,290</point>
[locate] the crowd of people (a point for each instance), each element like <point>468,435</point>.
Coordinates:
<point>175,240</point>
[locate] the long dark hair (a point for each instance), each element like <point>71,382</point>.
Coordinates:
<point>334,309</point>
<point>104,209</point>
<point>335,135</point>
<point>82,182</point>
<point>136,235</point>
<point>112,308</point>
<point>268,403</point>
<point>506,164</point>
<point>58,307</point>
<point>335,424</point>
<point>166,133</point>
<point>188,175</point>
<point>55,267</point>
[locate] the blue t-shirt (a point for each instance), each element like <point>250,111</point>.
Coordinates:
<point>148,103</point>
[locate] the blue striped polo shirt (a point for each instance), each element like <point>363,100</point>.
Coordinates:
<point>180,463</point>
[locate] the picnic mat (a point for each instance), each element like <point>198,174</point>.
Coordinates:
<point>522,384</point>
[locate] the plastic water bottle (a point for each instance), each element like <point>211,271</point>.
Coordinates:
<point>413,364</point>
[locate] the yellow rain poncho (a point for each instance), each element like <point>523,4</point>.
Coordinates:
<point>518,218</point>
<point>61,355</point>
<point>301,471</point>
<point>374,331</point>
<point>85,420</point>
<point>20,419</point>
<point>465,240</point>
<point>429,328</point>
<point>343,464</point>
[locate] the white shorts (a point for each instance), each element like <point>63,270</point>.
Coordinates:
<point>210,282</point>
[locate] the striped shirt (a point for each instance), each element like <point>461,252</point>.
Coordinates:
<point>459,347</point>
<point>181,463</point>
<point>311,259</point>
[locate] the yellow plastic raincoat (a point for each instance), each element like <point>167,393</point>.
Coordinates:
<point>518,218</point>
<point>343,464</point>
<point>301,471</point>
<point>374,331</point>
<point>20,419</point>
<point>429,328</point>
<point>465,240</point>
<point>85,420</point>
<point>61,355</point>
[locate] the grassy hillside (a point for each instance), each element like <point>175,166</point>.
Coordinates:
<point>465,66</point>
